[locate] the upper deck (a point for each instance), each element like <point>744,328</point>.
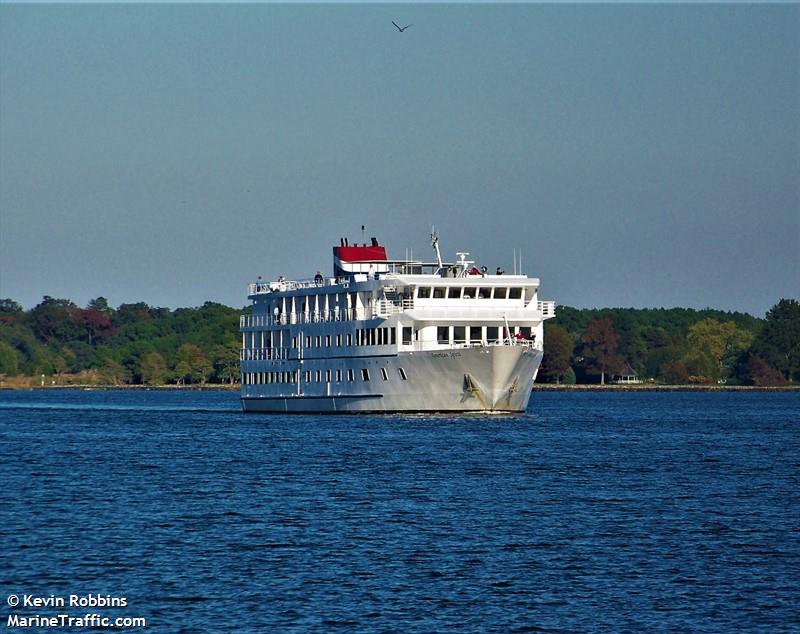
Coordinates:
<point>377,287</point>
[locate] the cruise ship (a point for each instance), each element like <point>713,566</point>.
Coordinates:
<point>383,335</point>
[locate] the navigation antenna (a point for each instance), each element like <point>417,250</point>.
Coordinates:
<point>435,245</point>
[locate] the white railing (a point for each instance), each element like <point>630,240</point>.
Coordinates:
<point>547,308</point>
<point>381,308</point>
<point>386,307</point>
<point>317,317</point>
<point>420,346</point>
<point>260,288</point>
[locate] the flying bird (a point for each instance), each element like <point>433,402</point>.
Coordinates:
<point>401,28</point>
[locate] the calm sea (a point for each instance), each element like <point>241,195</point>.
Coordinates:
<point>593,512</point>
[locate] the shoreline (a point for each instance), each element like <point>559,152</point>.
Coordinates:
<point>537,387</point>
<point>89,387</point>
<point>545,387</point>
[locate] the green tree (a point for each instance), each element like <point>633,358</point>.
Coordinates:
<point>779,341</point>
<point>191,365</point>
<point>100,304</point>
<point>558,346</point>
<point>182,373</point>
<point>9,362</point>
<point>114,373</point>
<point>8,307</point>
<point>152,369</point>
<point>600,348</point>
<point>714,347</point>
<point>226,362</point>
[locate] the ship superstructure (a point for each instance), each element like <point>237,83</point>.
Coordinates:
<point>385,335</point>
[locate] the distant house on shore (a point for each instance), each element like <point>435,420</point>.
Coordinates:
<point>628,376</point>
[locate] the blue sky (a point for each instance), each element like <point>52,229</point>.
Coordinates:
<point>637,155</point>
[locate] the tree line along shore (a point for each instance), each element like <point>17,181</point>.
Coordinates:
<point>58,343</point>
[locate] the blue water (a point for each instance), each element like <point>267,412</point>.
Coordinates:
<point>594,512</point>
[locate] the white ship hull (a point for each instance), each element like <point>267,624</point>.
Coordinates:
<point>476,379</point>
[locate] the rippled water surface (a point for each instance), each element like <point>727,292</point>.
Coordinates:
<point>606,512</point>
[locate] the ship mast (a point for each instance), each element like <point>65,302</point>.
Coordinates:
<point>435,245</point>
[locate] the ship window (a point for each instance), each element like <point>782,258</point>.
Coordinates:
<point>327,341</point>
<point>338,341</point>
<point>454,292</point>
<point>384,375</point>
<point>308,342</point>
<point>328,375</point>
<point>459,334</point>
<point>349,339</point>
<point>469,293</point>
<point>485,293</point>
<point>492,333</point>
<point>402,374</point>
<point>438,292</point>
<point>514,293</point>
<point>364,374</point>
<point>475,334</point>
<point>294,342</point>
<point>424,292</point>
<point>443,334</point>
<point>500,293</point>
<point>394,336</point>
<point>307,376</point>
<point>319,341</point>
<point>339,375</point>
<point>372,336</point>
<point>407,335</point>
<point>318,376</point>
<point>526,331</point>
<point>351,375</point>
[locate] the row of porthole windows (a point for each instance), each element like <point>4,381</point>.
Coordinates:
<point>315,376</point>
<point>468,292</point>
